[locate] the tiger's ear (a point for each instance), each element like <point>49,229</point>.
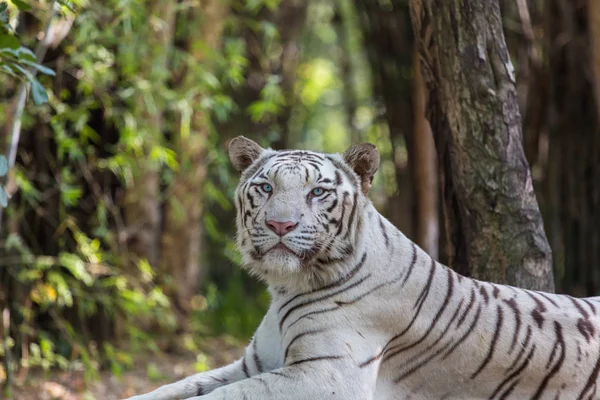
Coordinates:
<point>243,152</point>
<point>363,158</point>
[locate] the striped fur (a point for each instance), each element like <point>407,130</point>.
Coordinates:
<point>360,312</point>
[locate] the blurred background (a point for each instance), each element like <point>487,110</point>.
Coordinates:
<point>117,244</point>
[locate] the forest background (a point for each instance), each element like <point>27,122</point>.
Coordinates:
<point>116,247</point>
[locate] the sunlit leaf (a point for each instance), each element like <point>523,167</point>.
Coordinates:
<point>21,5</point>
<point>77,267</point>
<point>43,293</point>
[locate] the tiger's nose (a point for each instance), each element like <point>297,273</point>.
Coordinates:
<point>282,228</point>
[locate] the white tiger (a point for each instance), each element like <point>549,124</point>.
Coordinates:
<point>358,311</point>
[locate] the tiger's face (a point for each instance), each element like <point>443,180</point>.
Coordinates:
<point>298,211</point>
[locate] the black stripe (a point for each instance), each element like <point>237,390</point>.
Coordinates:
<point>560,341</point>
<point>434,321</point>
<point>523,349</point>
<point>383,231</point>
<point>339,282</point>
<point>255,357</point>
<point>278,373</point>
<point>462,318</point>
<point>465,335</point>
<point>308,314</point>
<point>417,312</point>
<point>299,336</point>
<point>245,367</point>
<point>514,374</point>
<point>512,304</point>
<point>591,379</point>
<point>341,221</point>
<point>413,261</point>
<point>342,290</point>
<point>425,292</point>
<point>322,358</point>
<point>493,344</point>
<point>330,208</point>
<point>352,213</point>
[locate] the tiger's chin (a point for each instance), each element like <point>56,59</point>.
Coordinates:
<point>276,265</point>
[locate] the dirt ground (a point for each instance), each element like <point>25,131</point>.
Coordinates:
<point>166,368</point>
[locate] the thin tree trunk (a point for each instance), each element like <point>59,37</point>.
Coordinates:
<point>290,18</point>
<point>142,200</point>
<point>493,222</point>
<point>181,240</point>
<point>345,20</point>
<point>594,24</point>
<point>573,170</point>
<point>424,169</point>
<point>389,44</point>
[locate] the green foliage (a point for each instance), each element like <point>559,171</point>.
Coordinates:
<point>97,132</point>
<point>19,61</point>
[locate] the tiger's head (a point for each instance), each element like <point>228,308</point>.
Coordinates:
<point>299,213</point>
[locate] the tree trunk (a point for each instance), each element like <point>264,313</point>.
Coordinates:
<point>181,239</point>
<point>594,24</point>
<point>391,53</point>
<point>142,199</point>
<point>389,44</point>
<point>494,226</point>
<point>424,169</point>
<point>289,17</point>
<point>572,185</point>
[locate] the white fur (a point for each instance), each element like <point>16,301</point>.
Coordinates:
<point>390,295</point>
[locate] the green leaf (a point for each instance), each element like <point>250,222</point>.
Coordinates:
<point>3,198</point>
<point>21,5</point>
<point>9,42</point>
<point>41,68</point>
<point>3,165</point>
<point>77,267</point>
<point>6,51</point>
<point>26,54</point>
<point>3,7</point>
<point>38,92</point>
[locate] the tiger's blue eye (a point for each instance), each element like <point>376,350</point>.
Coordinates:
<point>317,191</point>
<point>267,188</point>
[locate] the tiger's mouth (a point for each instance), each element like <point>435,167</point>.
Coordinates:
<point>305,255</point>
<point>283,247</point>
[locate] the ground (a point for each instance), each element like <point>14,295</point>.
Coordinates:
<point>166,368</point>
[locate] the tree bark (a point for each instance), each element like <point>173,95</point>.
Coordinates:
<point>181,240</point>
<point>494,226</point>
<point>142,200</point>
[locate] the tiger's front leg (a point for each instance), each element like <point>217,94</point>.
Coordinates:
<point>262,354</point>
<point>197,384</point>
<point>315,380</point>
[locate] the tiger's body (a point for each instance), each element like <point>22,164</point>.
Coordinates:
<point>358,311</point>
